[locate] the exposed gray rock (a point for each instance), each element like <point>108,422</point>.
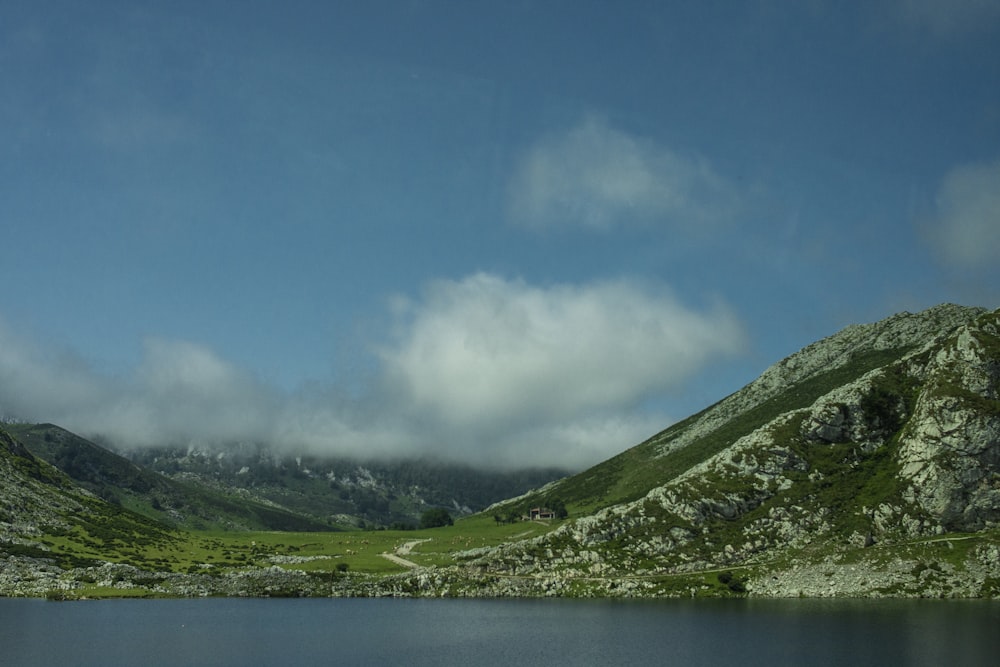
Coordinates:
<point>930,414</point>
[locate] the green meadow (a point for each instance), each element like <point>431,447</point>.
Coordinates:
<point>150,547</point>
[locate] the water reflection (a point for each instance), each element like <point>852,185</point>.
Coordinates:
<point>228,632</point>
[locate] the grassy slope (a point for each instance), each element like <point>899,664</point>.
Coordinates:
<point>631,474</point>
<point>77,528</point>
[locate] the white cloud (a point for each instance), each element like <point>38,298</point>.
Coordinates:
<point>574,443</point>
<point>490,354</point>
<point>966,230</point>
<point>180,392</point>
<point>598,177</point>
<point>36,380</point>
<point>186,386</point>
<point>483,370</point>
<point>323,425</point>
<point>499,372</point>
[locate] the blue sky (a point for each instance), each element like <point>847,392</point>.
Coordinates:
<point>503,233</point>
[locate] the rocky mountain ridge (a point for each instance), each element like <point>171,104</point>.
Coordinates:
<point>905,452</point>
<point>892,337</point>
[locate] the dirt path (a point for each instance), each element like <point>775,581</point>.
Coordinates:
<point>404,550</point>
<point>407,547</point>
<point>400,561</point>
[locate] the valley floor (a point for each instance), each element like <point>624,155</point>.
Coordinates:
<point>448,562</point>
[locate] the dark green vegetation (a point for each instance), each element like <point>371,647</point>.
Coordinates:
<point>436,518</point>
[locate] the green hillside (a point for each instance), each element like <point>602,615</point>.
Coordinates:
<point>121,482</point>
<point>631,474</point>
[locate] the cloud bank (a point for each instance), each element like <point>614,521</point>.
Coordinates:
<point>180,392</point>
<point>966,229</point>
<point>597,177</point>
<point>484,370</point>
<point>489,350</point>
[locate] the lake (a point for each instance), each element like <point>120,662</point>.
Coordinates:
<point>243,632</point>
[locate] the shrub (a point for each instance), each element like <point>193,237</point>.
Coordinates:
<point>735,585</point>
<point>436,517</point>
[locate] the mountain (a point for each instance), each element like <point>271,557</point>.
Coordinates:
<point>346,491</point>
<point>33,494</point>
<point>121,482</point>
<point>248,486</point>
<point>867,463</point>
<point>42,510</point>
<point>794,383</point>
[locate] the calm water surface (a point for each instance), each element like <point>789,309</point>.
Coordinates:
<point>498,632</point>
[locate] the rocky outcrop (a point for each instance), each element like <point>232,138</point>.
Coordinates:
<point>950,452</point>
<point>34,497</point>
<point>907,451</point>
<point>901,332</point>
